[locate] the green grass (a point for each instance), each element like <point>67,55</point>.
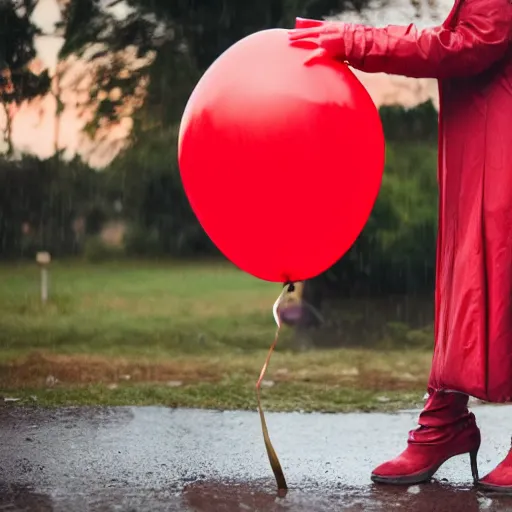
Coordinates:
<point>178,335</point>
<point>135,309</point>
<point>233,393</point>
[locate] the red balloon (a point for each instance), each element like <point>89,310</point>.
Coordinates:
<point>281,161</point>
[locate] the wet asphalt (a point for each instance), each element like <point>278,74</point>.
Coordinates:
<point>158,459</point>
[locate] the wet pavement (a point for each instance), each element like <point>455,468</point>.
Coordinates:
<point>156,459</point>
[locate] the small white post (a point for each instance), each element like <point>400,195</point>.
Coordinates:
<point>43,260</point>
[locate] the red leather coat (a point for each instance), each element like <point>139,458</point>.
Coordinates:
<point>471,56</point>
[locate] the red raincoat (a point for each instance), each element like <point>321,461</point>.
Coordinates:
<point>471,56</point>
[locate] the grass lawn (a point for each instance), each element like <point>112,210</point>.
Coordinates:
<point>179,335</point>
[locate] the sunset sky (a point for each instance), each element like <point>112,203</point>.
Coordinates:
<point>34,124</point>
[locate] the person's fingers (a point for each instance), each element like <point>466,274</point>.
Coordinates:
<point>304,33</point>
<point>307,23</point>
<point>310,44</point>
<point>306,44</point>
<point>315,56</point>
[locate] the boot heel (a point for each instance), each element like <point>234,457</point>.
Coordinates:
<point>474,465</point>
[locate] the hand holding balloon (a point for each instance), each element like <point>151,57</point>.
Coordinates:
<point>324,37</point>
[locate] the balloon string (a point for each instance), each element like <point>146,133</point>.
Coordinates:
<point>272,456</point>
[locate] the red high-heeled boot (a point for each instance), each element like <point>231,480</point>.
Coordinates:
<point>446,429</point>
<point>500,478</point>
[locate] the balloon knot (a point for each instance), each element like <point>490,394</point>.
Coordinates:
<point>290,285</point>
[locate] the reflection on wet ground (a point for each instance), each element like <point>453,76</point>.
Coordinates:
<point>224,497</point>
<point>156,459</point>
<point>23,498</point>
<point>433,497</point>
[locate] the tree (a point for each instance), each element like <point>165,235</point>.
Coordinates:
<point>117,53</point>
<point>17,82</point>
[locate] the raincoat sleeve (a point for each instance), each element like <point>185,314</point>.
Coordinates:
<point>480,36</point>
